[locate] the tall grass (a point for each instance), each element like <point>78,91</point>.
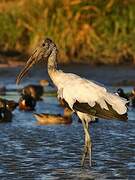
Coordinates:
<point>85,31</point>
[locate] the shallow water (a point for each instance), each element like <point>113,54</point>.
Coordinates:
<point>31,151</point>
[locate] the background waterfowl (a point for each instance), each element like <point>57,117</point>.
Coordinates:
<point>2,103</point>
<point>34,90</point>
<point>46,119</point>
<point>2,89</point>
<point>44,82</point>
<point>8,104</point>
<point>27,102</point>
<point>11,105</point>
<point>132,97</point>
<point>122,94</point>
<point>83,96</point>
<point>5,114</point>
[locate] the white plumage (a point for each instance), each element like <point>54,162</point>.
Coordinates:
<point>73,88</point>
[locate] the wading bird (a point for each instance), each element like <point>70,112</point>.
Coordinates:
<point>86,98</point>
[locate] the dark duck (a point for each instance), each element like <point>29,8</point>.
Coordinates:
<point>11,105</point>
<point>132,97</point>
<point>27,102</point>
<point>5,113</point>
<point>35,90</point>
<point>120,92</point>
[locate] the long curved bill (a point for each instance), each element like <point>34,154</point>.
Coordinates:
<point>42,52</point>
<point>29,64</point>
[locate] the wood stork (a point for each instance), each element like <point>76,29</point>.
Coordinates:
<point>86,98</point>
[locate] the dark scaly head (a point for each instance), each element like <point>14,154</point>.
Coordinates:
<point>42,52</point>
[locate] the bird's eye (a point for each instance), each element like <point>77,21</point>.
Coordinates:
<point>43,44</point>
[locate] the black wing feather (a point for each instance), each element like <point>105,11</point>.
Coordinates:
<point>97,111</point>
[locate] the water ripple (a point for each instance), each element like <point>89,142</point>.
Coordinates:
<point>30,151</point>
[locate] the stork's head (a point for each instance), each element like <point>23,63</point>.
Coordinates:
<point>42,52</point>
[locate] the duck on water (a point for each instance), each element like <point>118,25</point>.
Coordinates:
<point>5,111</point>
<point>47,119</point>
<point>34,90</point>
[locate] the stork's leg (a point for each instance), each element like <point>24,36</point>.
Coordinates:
<point>85,146</point>
<point>88,144</point>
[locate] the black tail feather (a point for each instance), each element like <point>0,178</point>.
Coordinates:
<point>97,111</point>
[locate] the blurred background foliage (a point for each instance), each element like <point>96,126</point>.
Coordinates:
<point>86,31</point>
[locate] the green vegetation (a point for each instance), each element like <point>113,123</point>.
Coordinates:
<point>85,30</point>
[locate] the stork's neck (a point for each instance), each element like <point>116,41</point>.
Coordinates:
<point>52,62</point>
<point>52,65</point>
